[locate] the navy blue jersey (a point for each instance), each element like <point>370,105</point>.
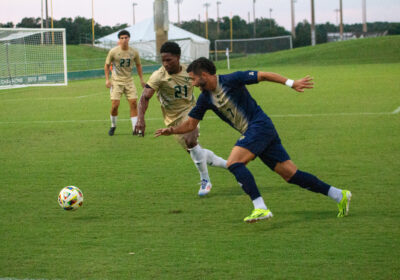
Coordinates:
<point>231,101</point>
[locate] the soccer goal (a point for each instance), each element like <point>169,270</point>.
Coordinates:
<point>32,57</point>
<point>244,47</point>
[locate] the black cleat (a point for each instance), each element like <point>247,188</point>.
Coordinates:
<point>111,131</point>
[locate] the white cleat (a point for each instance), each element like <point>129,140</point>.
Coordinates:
<point>205,187</point>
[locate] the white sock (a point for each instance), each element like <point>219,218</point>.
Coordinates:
<point>214,160</point>
<point>335,194</point>
<point>199,158</point>
<point>113,121</point>
<point>134,121</point>
<point>259,203</point>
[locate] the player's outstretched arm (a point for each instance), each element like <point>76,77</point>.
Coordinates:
<point>297,85</point>
<point>185,127</point>
<point>147,94</point>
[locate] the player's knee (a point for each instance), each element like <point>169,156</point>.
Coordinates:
<point>287,176</point>
<point>232,162</point>
<point>114,106</point>
<point>286,170</point>
<point>114,110</point>
<point>190,143</point>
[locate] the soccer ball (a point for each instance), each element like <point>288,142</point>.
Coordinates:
<point>70,198</point>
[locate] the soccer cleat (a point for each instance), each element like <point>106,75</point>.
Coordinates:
<point>111,131</point>
<point>258,214</point>
<point>344,204</point>
<point>205,187</point>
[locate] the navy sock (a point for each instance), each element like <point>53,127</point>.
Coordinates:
<point>244,176</point>
<point>309,182</point>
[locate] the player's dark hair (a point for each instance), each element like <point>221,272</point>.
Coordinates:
<point>170,47</point>
<point>202,64</point>
<point>124,32</point>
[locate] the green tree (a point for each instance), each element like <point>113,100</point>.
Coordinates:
<point>29,22</point>
<point>7,25</point>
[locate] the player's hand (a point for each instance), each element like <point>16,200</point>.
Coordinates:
<point>305,83</point>
<point>140,127</point>
<point>163,131</point>
<point>108,84</point>
<point>143,83</point>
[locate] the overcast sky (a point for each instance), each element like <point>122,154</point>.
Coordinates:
<point>111,12</point>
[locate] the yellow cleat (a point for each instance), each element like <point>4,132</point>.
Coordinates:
<point>258,214</point>
<point>344,204</point>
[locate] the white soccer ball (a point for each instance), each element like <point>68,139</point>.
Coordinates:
<point>70,198</point>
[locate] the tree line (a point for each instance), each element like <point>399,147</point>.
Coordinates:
<point>266,27</point>
<point>79,29</point>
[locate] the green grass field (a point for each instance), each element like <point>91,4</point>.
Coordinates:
<point>366,51</point>
<point>141,217</point>
<point>83,57</point>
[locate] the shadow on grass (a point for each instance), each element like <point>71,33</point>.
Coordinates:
<point>304,217</point>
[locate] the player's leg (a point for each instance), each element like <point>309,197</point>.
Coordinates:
<point>214,160</point>
<point>292,175</point>
<point>113,116</point>
<point>131,95</point>
<point>191,141</point>
<point>276,157</point>
<point>115,96</point>
<point>133,112</point>
<point>236,163</point>
<point>198,155</point>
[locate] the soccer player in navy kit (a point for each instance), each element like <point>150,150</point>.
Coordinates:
<point>228,97</point>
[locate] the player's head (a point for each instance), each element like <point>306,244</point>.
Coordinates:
<point>170,55</point>
<point>124,32</point>
<point>123,37</point>
<point>202,71</point>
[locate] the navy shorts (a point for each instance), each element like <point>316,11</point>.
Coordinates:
<point>262,139</point>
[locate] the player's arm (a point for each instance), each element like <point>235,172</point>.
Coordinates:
<point>189,125</point>
<point>107,74</point>
<point>140,73</point>
<point>297,85</point>
<point>147,94</point>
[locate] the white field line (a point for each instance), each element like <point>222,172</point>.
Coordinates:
<point>22,279</point>
<point>396,111</point>
<point>50,98</point>
<point>214,117</point>
<point>8,278</point>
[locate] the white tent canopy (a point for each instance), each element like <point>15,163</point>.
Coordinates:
<point>143,38</point>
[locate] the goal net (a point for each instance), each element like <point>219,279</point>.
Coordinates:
<point>244,47</point>
<point>32,57</point>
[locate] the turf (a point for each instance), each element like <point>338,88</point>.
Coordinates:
<point>85,52</point>
<point>141,217</point>
<point>83,57</point>
<point>364,51</point>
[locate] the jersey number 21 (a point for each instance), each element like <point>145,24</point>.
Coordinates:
<point>178,91</point>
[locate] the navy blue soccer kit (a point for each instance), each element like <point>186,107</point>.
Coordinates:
<point>232,102</point>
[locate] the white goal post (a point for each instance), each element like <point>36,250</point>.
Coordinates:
<point>243,47</point>
<point>32,57</point>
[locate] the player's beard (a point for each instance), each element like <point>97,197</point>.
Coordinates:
<point>202,84</point>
